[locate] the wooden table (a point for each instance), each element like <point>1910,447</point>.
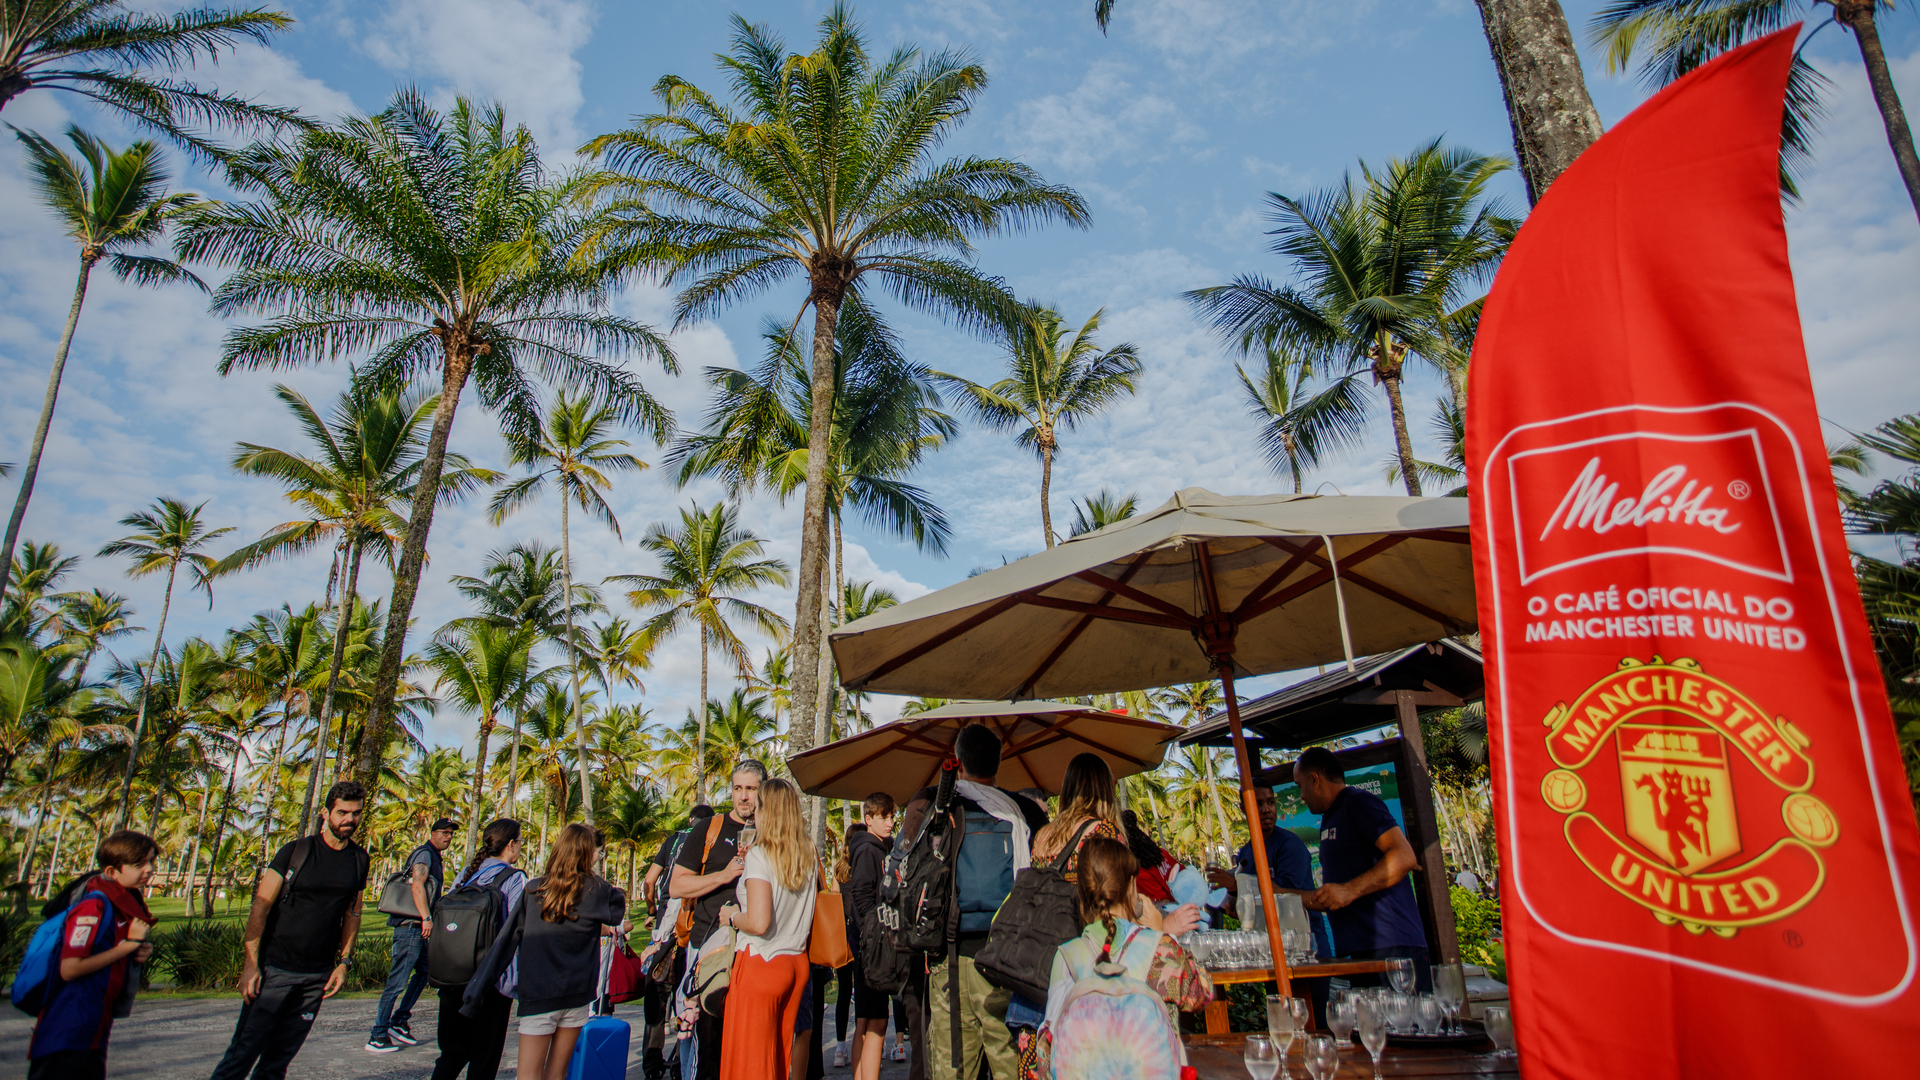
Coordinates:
<point>1217,1057</point>
<point>1217,1009</point>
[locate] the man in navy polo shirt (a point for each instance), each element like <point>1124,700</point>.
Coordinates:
<point>1364,859</point>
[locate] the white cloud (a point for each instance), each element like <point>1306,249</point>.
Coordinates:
<point>272,77</point>
<point>1102,118</point>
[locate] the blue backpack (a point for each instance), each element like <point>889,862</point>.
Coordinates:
<point>39,973</point>
<point>983,874</point>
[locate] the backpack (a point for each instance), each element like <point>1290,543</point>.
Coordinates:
<point>1040,914</point>
<point>465,922</point>
<point>983,877</point>
<point>396,896</point>
<point>39,973</point>
<point>916,892</point>
<point>1115,1027</point>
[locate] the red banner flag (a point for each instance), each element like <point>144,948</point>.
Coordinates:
<point>1708,851</point>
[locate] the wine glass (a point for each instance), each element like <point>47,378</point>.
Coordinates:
<point>1399,1011</point>
<point>1323,1057</point>
<point>1261,1060</point>
<point>1280,1023</point>
<point>747,836</point>
<point>1371,1021</point>
<point>1499,1021</point>
<point>1450,986</point>
<point>1400,973</point>
<point>1301,1009</point>
<point>1340,1016</point>
<point>1426,1014</point>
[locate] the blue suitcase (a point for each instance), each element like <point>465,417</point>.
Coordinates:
<point>601,1053</point>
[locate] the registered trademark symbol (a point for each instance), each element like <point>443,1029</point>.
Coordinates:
<point>1739,489</point>
<point>1792,938</point>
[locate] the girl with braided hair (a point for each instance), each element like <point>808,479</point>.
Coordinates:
<point>474,1044</point>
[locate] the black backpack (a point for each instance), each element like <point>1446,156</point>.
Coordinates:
<point>1041,913</point>
<point>465,922</point>
<point>916,894</point>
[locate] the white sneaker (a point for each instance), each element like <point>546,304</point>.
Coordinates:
<point>842,1056</point>
<point>899,1049</point>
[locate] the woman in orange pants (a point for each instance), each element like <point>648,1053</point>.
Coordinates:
<point>775,923</point>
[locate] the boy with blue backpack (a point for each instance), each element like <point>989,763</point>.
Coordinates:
<point>80,981</point>
<point>968,1021</point>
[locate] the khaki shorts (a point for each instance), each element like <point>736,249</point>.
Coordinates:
<point>547,1023</point>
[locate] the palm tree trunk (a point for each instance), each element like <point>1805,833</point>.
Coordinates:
<point>1402,441</point>
<point>824,674</point>
<point>413,553</point>
<point>46,420</point>
<point>573,662</point>
<point>220,826</point>
<point>700,748</point>
<point>513,768</point>
<point>1857,15</point>
<point>1548,105</point>
<point>487,720</point>
<point>813,519</point>
<point>46,807</point>
<point>193,864</point>
<point>59,834</point>
<point>140,718</point>
<point>1219,809</point>
<point>322,729</point>
<point>1046,488</point>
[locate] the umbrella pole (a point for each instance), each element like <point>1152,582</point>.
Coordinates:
<point>1256,841</point>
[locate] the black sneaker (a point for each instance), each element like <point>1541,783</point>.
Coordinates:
<point>382,1045</point>
<point>399,1033</point>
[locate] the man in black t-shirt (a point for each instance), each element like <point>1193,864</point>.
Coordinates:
<point>704,876</point>
<point>306,913</point>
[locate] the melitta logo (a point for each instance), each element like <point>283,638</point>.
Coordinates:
<point>1704,496</point>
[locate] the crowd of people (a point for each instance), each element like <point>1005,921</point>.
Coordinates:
<point>733,985</point>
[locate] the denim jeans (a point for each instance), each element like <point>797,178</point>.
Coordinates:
<point>405,981</point>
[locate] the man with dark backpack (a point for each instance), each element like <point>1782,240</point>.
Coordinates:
<point>299,939</point>
<point>416,888</point>
<point>967,1021</point>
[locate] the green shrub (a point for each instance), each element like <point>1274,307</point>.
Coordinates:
<point>1476,921</point>
<point>198,955</point>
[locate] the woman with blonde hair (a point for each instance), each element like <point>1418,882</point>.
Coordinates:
<point>774,920</point>
<point>1086,795</point>
<point>558,925</point>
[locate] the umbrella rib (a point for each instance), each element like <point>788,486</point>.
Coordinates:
<point>1300,555</point>
<point>933,642</point>
<point>1073,635</point>
<point>1060,736</point>
<point>1369,584</point>
<point>1100,611</point>
<point>1136,595</point>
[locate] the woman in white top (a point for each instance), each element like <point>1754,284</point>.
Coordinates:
<point>775,924</point>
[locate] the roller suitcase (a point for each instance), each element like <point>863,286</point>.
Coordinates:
<point>601,1053</point>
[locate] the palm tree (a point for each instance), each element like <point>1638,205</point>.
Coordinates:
<point>825,167</point>
<point>32,577</point>
<point>636,819</point>
<point>617,652</point>
<point>282,651</point>
<point>1383,270</point>
<point>1680,35</point>
<point>734,730</point>
<point>575,451</point>
<point>1101,509</point>
<point>1890,587</point>
<point>167,534</point>
<point>525,586</point>
<point>1188,704</point>
<point>97,49</point>
<point>485,669</point>
<point>1052,384</point>
<point>88,620</point>
<point>112,205</point>
<point>1551,113</point>
<point>704,565</point>
<point>432,243</point>
<point>232,720</point>
<point>1296,425</point>
<point>366,460</point>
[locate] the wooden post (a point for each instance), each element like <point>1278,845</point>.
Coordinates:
<point>1255,841</point>
<point>1423,829</point>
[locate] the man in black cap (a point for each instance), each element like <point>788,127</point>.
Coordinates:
<point>408,975</point>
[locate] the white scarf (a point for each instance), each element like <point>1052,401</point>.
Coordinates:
<point>1002,805</point>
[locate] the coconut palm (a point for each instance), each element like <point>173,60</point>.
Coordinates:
<point>574,451</point>
<point>90,619</point>
<point>32,576</point>
<point>617,652</point>
<point>824,167</point>
<point>365,462</point>
<point>1385,270</point>
<point>1297,425</point>
<point>636,818</point>
<point>100,50</point>
<point>231,720</point>
<point>433,244</point>
<point>485,669</point>
<point>165,536</point>
<point>735,729</point>
<point>705,566</point>
<point>112,204</point>
<point>1188,704</point>
<point>1890,587</point>
<point>1680,35</point>
<point>1101,509</point>
<point>524,586</point>
<point>1053,384</point>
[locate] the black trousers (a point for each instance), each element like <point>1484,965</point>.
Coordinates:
<point>69,1065</point>
<point>471,1043</point>
<point>273,1026</point>
<point>915,998</point>
<point>843,1000</point>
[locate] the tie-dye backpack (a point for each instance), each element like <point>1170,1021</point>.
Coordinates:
<point>1113,1026</point>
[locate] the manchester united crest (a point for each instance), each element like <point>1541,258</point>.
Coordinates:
<point>1716,826</point>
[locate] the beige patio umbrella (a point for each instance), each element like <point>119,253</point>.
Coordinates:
<point>1204,585</point>
<point>1038,739</point>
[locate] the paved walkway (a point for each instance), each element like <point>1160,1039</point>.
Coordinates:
<point>183,1039</point>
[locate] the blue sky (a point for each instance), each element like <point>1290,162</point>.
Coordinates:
<point>1172,127</point>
